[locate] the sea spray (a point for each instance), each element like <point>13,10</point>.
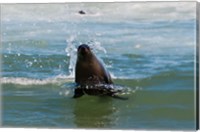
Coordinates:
<point>71,53</point>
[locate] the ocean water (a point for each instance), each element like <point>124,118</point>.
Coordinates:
<point>149,49</point>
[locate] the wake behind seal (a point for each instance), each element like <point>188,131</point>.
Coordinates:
<point>91,76</point>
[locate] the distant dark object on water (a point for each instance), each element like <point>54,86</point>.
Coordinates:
<point>81,12</point>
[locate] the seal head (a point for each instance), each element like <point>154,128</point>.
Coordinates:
<point>84,52</point>
<point>89,69</point>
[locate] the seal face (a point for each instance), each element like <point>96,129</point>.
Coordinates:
<point>89,69</point>
<point>90,74</point>
<point>91,77</point>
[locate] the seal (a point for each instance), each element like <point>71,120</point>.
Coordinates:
<point>90,75</point>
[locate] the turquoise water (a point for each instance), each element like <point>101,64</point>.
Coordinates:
<point>153,59</point>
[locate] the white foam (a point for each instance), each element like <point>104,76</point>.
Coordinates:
<point>29,81</point>
<point>71,52</point>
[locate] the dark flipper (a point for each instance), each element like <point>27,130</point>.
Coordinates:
<point>78,93</point>
<point>97,91</point>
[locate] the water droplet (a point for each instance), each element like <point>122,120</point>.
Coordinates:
<point>86,87</point>
<point>66,92</point>
<point>137,46</point>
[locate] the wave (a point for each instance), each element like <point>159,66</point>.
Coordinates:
<point>60,79</point>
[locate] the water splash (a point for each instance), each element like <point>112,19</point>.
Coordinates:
<point>71,53</point>
<point>125,90</point>
<point>67,89</point>
<point>96,46</point>
<point>71,50</point>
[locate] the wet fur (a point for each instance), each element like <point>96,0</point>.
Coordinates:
<point>90,72</point>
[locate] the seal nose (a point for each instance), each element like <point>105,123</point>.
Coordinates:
<point>83,47</point>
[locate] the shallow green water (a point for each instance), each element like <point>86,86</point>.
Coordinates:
<point>51,106</point>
